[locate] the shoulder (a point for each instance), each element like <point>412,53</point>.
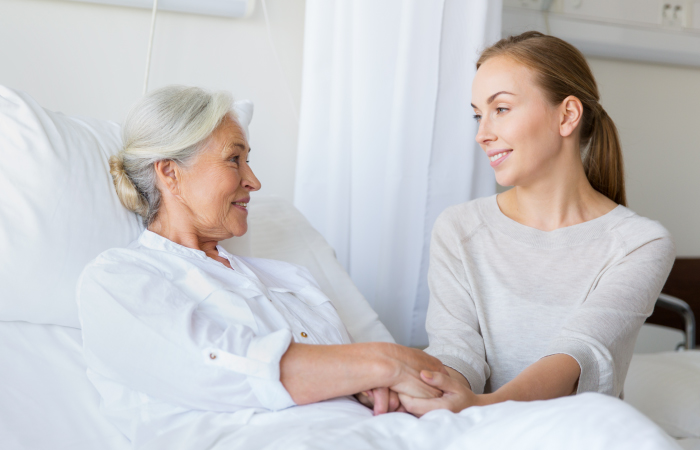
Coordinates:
<point>462,221</point>
<point>635,231</point>
<point>129,258</point>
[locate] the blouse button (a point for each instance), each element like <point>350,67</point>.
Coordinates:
<point>303,334</point>
<point>212,355</point>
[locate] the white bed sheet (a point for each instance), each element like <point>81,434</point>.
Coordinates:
<point>689,443</point>
<point>46,402</point>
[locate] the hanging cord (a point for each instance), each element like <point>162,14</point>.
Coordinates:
<point>546,7</point>
<point>279,64</point>
<point>150,46</point>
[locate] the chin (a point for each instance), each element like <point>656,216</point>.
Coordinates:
<point>505,180</point>
<point>239,229</point>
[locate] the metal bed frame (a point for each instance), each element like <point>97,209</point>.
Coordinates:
<point>679,306</point>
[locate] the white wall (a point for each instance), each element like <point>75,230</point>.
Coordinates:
<point>657,111</point>
<point>89,60</point>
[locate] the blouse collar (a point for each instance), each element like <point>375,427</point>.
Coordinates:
<point>155,241</point>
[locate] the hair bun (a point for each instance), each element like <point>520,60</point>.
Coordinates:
<point>128,195</point>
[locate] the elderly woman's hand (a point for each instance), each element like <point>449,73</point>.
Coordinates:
<point>405,364</point>
<point>313,373</point>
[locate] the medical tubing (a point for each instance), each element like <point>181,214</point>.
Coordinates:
<point>150,46</point>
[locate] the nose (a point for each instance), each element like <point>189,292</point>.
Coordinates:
<point>249,181</point>
<point>485,134</point>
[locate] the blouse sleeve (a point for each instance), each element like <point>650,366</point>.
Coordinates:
<point>142,331</point>
<point>601,333</point>
<point>452,323</point>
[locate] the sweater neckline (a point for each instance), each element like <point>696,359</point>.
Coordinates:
<point>561,237</point>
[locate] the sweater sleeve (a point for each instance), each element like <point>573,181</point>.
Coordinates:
<point>601,333</point>
<point>452,323</point>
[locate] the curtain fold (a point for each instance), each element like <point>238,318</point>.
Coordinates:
<point>386,139</point>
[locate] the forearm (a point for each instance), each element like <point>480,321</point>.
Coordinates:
<point>312,373</point>
<point>551,377</point>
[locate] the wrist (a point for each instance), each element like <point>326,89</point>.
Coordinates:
<point>487,399</point>
<point>380,365</point>
<point>503,394</point>
<point>391,363</point>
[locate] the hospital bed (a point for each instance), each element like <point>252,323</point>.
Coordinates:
<point>59,210</point>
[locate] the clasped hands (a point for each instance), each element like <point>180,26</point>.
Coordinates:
<point>420,384</point>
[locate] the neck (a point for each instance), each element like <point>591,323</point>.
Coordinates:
<point>561,199</point>
<point>173,227</point>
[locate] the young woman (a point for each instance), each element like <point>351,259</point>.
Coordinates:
<point>540,292</point>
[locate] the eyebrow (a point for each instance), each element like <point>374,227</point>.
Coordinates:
<point>493,97</point>
<point>231,145</point>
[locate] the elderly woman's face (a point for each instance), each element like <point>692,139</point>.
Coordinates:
<point>215,187</point>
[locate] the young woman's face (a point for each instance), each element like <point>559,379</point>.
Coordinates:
<point>518,128</point>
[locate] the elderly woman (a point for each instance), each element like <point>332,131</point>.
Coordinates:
<point>175,323</point>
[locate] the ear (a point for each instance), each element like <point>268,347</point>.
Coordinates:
<point>571,111</point>
<point>168,175</point>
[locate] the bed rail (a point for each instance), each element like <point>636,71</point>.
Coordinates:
<point>679,306</point>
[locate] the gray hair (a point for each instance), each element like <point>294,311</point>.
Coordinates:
<point>171,123</point>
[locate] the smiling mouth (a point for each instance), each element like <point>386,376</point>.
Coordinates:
<point>241,204</point>
<point>498,156</point>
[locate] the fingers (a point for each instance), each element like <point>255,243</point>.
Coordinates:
<point>414,405</point>
<point>419,360</point>
<point>421,406</point>
<point>417,389</point>
<point>381,400</point>
<point>411,383</point>
<point>365,399</point>
<point>394,402</point>
<point>438,380</point>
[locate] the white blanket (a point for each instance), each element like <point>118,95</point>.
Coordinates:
<point>588,421</point>
<point>46,402</point>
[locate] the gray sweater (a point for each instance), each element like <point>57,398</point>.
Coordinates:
<point>503,295</point>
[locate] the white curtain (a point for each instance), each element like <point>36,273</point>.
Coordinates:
<point>386,139</point>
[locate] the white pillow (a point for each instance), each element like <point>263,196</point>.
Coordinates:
<point>58,207</point>
<point>666,388</point>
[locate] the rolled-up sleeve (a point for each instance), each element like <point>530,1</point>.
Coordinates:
<point>601,333</point>
<point>141,330</point>
<point>452,323</point>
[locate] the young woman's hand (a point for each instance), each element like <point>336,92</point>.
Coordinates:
<point>381,400</point>
<point>456,395</point>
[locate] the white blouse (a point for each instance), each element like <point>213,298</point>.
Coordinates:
<point>167,329</point>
